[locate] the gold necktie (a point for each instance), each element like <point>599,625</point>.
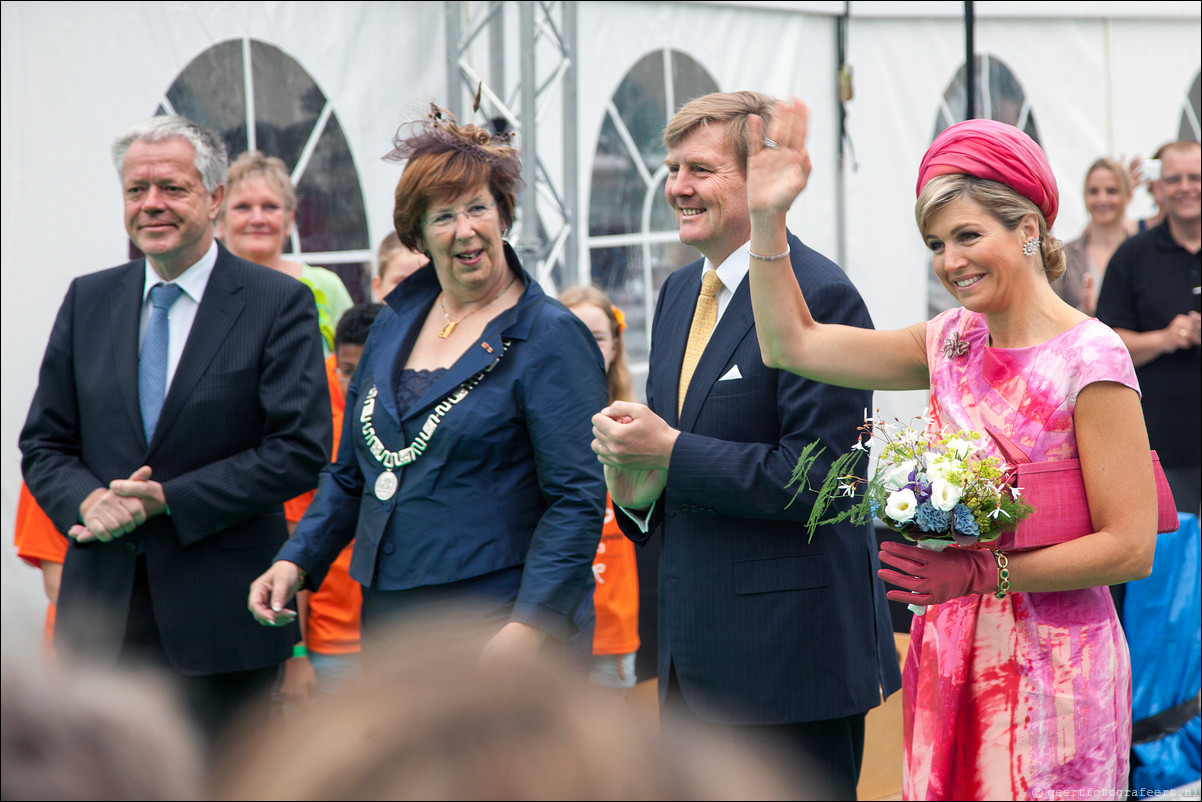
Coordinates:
<point>704,318</point>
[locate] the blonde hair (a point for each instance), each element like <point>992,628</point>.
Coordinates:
<point>621,386</point>
<point>253,164</point>
<point>732,108</point>
<point>1000,201</point>
<point>1121,175</point>
<point>388,246</point>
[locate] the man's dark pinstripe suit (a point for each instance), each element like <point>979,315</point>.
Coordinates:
<point>245,425</point>
<point>759,626</point>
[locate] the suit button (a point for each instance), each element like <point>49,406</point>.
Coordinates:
<point>388,548</point>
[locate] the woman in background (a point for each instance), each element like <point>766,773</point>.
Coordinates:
<point>1107,193</point>
<point>256,221</point>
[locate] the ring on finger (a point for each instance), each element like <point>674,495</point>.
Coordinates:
<point>771,144</point>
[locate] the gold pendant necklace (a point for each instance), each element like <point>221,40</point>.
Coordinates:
<point>451,324</point>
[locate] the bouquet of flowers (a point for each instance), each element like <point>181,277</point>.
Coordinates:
<point>935,489</point>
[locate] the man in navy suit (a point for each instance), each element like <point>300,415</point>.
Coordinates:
<point>761,630</point>
<point>181,399</point>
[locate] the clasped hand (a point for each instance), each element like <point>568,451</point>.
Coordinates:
<point>125,505</point>
<point>635,446</point>
<point>1185,331</point>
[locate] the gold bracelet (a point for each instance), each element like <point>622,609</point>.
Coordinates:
<point>776,258</point>
<point>302,575</point>
<point>1003,575</point>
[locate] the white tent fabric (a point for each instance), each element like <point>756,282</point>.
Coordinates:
<point>1101,78</point>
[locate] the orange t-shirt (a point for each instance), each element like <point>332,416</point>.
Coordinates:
<point>37,541</point>
<point>616,597</point>
<point>333,622</point>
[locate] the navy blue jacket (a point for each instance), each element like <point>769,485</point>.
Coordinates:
<point>507,479</point>
<point>759,625</point>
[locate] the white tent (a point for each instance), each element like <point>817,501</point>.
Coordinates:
<point>1096,78</point>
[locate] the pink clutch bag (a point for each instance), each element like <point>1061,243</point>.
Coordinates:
<point>1056,490</point>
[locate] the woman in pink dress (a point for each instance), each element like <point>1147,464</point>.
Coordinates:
<point>1018,689</point>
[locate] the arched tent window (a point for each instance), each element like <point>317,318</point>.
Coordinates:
<point>256,96</point>
<point>633,242</point>
<point>1190,114</point>
<point>999,96</point>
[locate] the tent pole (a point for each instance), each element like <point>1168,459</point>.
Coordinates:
<point>970,63</point>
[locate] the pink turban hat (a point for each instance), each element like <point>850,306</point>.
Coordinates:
<point>996,151</point>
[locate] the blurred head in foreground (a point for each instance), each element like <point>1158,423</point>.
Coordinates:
<point>94,735</point>
<point>429,722</point>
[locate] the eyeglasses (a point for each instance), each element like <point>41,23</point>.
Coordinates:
<point>445,221</point>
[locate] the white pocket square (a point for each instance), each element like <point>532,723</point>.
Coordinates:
<point>733,373</point>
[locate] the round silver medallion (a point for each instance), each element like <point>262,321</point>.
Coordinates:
<point>386,485</point>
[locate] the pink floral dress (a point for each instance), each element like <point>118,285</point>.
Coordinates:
<point>1027,697</point>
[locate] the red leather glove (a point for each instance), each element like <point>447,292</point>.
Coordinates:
<point>933,577</point>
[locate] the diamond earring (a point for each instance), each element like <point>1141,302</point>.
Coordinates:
<point>1031,247</point>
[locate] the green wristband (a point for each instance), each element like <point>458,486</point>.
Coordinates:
<point>300,650</point>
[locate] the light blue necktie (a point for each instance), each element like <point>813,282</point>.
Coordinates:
<point>152,361</point>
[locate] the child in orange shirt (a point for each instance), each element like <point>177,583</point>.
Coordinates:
<point>327,658</point>
<point>616,596</point>
<point>42,546</point>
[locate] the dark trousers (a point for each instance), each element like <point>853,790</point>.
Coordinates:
<point>823,756</point>
<point>215,701</point>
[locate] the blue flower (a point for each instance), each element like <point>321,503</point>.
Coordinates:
<point>966,524</point>
<point>930,519</point>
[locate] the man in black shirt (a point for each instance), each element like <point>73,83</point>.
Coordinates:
<point>1150,296</point>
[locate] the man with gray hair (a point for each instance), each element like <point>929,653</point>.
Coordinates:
<point>181,400</point>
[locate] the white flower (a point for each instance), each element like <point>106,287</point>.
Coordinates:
<point>901,506</point>
<point>847,489</point>
<point>862,445</point>
<point>944,495</point>
<point>960,449</point>
<point>895,477</point>
<point>999,511</point>
<point>938,466</point>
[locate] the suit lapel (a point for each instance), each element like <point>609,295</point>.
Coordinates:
<point>673,333</point>
<point>396,337</point>
<point>215,317</point>
<point>736,320</point>
<point>126,323</point>
<point>387,337</point>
